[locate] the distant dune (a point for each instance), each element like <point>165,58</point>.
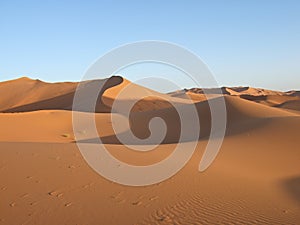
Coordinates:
<point>255,179</point>
<point>289,100</point>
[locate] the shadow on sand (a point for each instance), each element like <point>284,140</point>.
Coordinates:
<point>292,186</point>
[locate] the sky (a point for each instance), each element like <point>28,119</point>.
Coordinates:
<point>243,42</point>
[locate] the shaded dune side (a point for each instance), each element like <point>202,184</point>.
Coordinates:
<point>25,95</point>
<point>293,105</point>
<point>292,186</point>
<point>273,100</point>
<point>47,96</point>
<point>62,102</point>
<point>242,116</point>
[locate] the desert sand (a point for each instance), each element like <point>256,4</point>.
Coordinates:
<point>255,178</point>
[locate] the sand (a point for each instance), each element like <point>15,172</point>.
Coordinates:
<point>255,179</point>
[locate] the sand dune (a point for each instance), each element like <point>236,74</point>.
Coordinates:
<point>255,179</point>
<point>242,91</point>
<point>25,94</point>
<point>292,104</point>
<point>286,100</point>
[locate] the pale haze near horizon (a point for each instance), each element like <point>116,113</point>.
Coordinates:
<point>245,43</point>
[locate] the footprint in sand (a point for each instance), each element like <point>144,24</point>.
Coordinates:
<point>118,198</point>
<point>25,195</point>
<point>66,135</point>
<point>137,203</point>
<point>68,204</point>
<point>55,194</point>
<point>117,195</point>
<point>153,198</point>
<point>87,185</point>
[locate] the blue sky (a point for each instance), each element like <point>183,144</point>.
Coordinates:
<point>253,43</point>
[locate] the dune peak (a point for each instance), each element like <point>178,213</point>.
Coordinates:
<point>23,79</point>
